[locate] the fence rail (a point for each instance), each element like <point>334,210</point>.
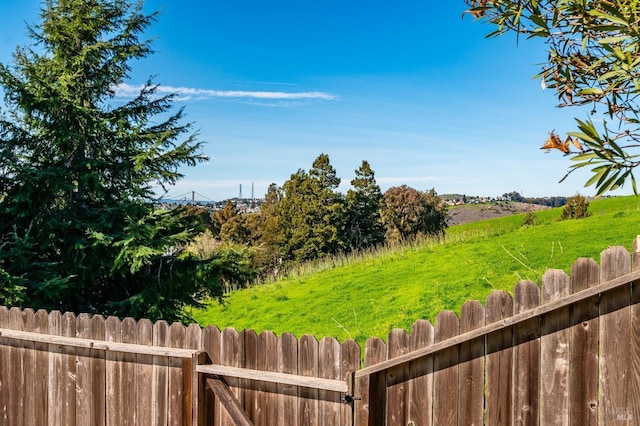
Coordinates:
<point>564,352</point>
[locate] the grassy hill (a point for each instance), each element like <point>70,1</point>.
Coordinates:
<point>370,295</point>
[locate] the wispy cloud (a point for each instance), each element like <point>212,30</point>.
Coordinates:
<point>188,93</point>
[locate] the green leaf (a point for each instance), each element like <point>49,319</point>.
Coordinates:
<point>584,137</point>
<point>598,173</point>
<point>614,39</point>
<point>590,91</point>
<point>583,157</point>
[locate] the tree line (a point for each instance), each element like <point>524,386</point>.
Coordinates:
<point>79,230</point>
<point>307,218</point>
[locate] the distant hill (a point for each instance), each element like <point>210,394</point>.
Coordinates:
<point>466,213</point>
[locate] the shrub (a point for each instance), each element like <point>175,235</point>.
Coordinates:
<point>576,208</point>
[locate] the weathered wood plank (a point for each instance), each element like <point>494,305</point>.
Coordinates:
<point>445,366</point>
<point>615,336</point>
<point>308,366</point>
<point>273,377</point>
<point>583,346</point>
<point>29,373</point>
<point>499,367</point>
<point>267,396</point>
<point>41,370</point>
<point>329,353</point>
<point>350,363</point>
<point>5,368</point>
<point>83,373</point>
<point>375,352</point>
<point>288,364</point>
<point>55,393</point>
<point>113,409</point>
<point>471,370</point>
<point>194,404</point>
<point>211,346</point>
<point>68,371</point>
<point>75,342</point>
<point>526,356</point>
<point>634,386</point>
<point>17,383</point>
<point>554,347</point>
<point>228,400</point>
<point>421,373</point>
<point>144,375</point>
<point>160,389</point>
<point>99,374</point>
<point>176,391</point>
<point>250,362</point>
<point>396,378</point>
<point>127,397</point>
<point>231,354</point>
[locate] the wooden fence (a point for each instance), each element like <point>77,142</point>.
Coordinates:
<point>566,352</point>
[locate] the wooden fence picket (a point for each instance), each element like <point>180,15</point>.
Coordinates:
<point>231,351</point>
<point>329,354</point>
<point>554,348</point>
<point>420,399</point>
<point>175,410</point>
<point>634,386</point>
<point>250,388</point>
<point>56,381</point>
<point>68,329</point>
<point>526,356</point>
<point>127,397</point>
<point>308,366</point>
<point>445,366</point>
<point>17,387</point>
<point>471,366</point>
<point>583,346</point>
<point>287,353</point>
<point>144,375</point>
<point>397,378</point>
<point>160,389</point>
<point>193,408</point>
<point>267,397</point>
<point>114,378</point>
<point>5,368</point>
<point>29,357</point>
<point>375,351</point>
<point>99,374</point>
<point>84,375</point>
<point>40,378</point>
<point>499,365</point>
<point>615,335</point>
<point>211,346</point>
<point>350,355</point>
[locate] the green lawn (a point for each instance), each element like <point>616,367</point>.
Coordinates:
<point>370,296</point>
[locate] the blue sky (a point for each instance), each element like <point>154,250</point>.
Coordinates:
<point>411,87</point>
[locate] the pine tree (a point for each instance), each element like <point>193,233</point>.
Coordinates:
<point>77,166</point>
<point>364,225</point>
<point>310,213</point>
